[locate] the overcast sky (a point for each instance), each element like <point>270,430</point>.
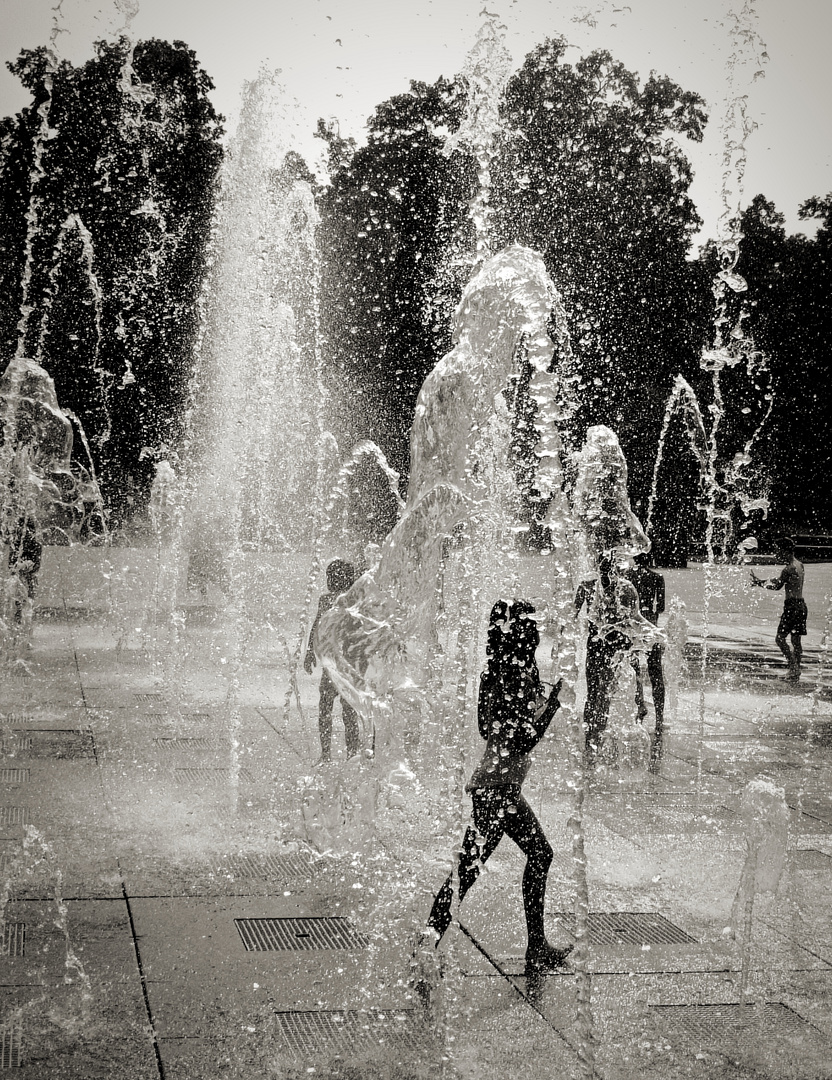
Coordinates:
<point>339,58</point>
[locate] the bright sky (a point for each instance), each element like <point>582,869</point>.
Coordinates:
<point>339,58</point>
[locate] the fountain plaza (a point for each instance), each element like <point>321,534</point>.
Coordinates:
<point>166,915</point>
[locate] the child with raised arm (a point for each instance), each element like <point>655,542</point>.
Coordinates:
<point>795,612</point>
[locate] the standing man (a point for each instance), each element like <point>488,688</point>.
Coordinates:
<point>650,588</point>
<point>612,608</point>
<point>340,576</point>
<point>793,619</point>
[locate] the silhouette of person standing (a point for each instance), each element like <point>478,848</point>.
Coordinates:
<point>340,576</point>
<point>612,604</point>
<point>649,586</point>
<point>795,612</point>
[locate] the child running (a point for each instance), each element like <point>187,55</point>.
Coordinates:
<point>513,715</point>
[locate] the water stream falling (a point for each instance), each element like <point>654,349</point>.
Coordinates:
<point>487,69</point>
<point>402,644</point>
<point>257,446</point>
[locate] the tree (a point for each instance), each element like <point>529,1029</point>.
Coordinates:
<point>124,216</point>
<point>389,219</point>
<point>787,312</point>
<point>590,174</point>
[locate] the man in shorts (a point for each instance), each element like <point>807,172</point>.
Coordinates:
<point>793,619</point>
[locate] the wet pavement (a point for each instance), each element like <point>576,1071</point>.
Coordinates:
<point>166,915</point>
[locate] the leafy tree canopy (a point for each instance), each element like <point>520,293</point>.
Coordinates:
<point>123,209</point>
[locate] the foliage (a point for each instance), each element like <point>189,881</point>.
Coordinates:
<point>591,175</point>
<point>130,165</point>
<point>389,220</point>
<point>786,311</point>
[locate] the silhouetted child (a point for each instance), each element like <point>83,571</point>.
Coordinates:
<point>650,588</point>
<point>340,576</point>
<point>793,619</point>
<point>611,602</point>
<point>513,713</point>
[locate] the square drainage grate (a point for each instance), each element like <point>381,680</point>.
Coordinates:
<point>14,939</point>
<point>14,815</point>
<point>307,1033</point>
<point>59,743</point>
<point>14,776</point>
<point>11,1044</point>
<point>211,776</point>
<point>276,867</point>
<point>149,698</point>
<point>811,859</point>
<point>278,935</point>
<point>731,1020</point>
<point>17,744</point>
<point>188,744</point>
<point>8,857</point>
<point>630,928</point>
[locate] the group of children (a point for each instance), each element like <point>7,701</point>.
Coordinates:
<point>514,711</point>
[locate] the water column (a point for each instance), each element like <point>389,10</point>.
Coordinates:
<point>484,75</point>
<point>256,446</point>
<point>15,372</point>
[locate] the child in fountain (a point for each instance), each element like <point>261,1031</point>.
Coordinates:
<point>612,605</point>
<point>513,715</point>
<point>340,576</point>
<point>795,612</point>
<point>650,588</point>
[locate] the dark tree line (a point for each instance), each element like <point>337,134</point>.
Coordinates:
<point>589,171</point>
<point>788,315</point>
<point>125,203</point>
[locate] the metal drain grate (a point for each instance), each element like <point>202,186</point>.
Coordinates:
<point>14,815</point>
<point>630,928</point>
<point>14,939</point>
<point>275,935</point>
<point>279,867</point>
<point>14,776</point>
<point>8,857</point>
<point>176,744</point>
<point>211,776</point>
<point>13,719</point>
<point>727,1021</point>
<point>11,1045</point>
<point>153,698</point>
<point>59,743</point>
<point>811,859</point>
<point>307,1033</point>
<point>18,744</point>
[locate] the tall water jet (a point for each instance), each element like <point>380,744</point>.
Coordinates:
<point>372,641</point>
<point>484,75</point>
<point>47,496</point>
<point>256,439</point>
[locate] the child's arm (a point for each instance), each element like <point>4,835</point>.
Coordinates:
<point>310,660</point>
